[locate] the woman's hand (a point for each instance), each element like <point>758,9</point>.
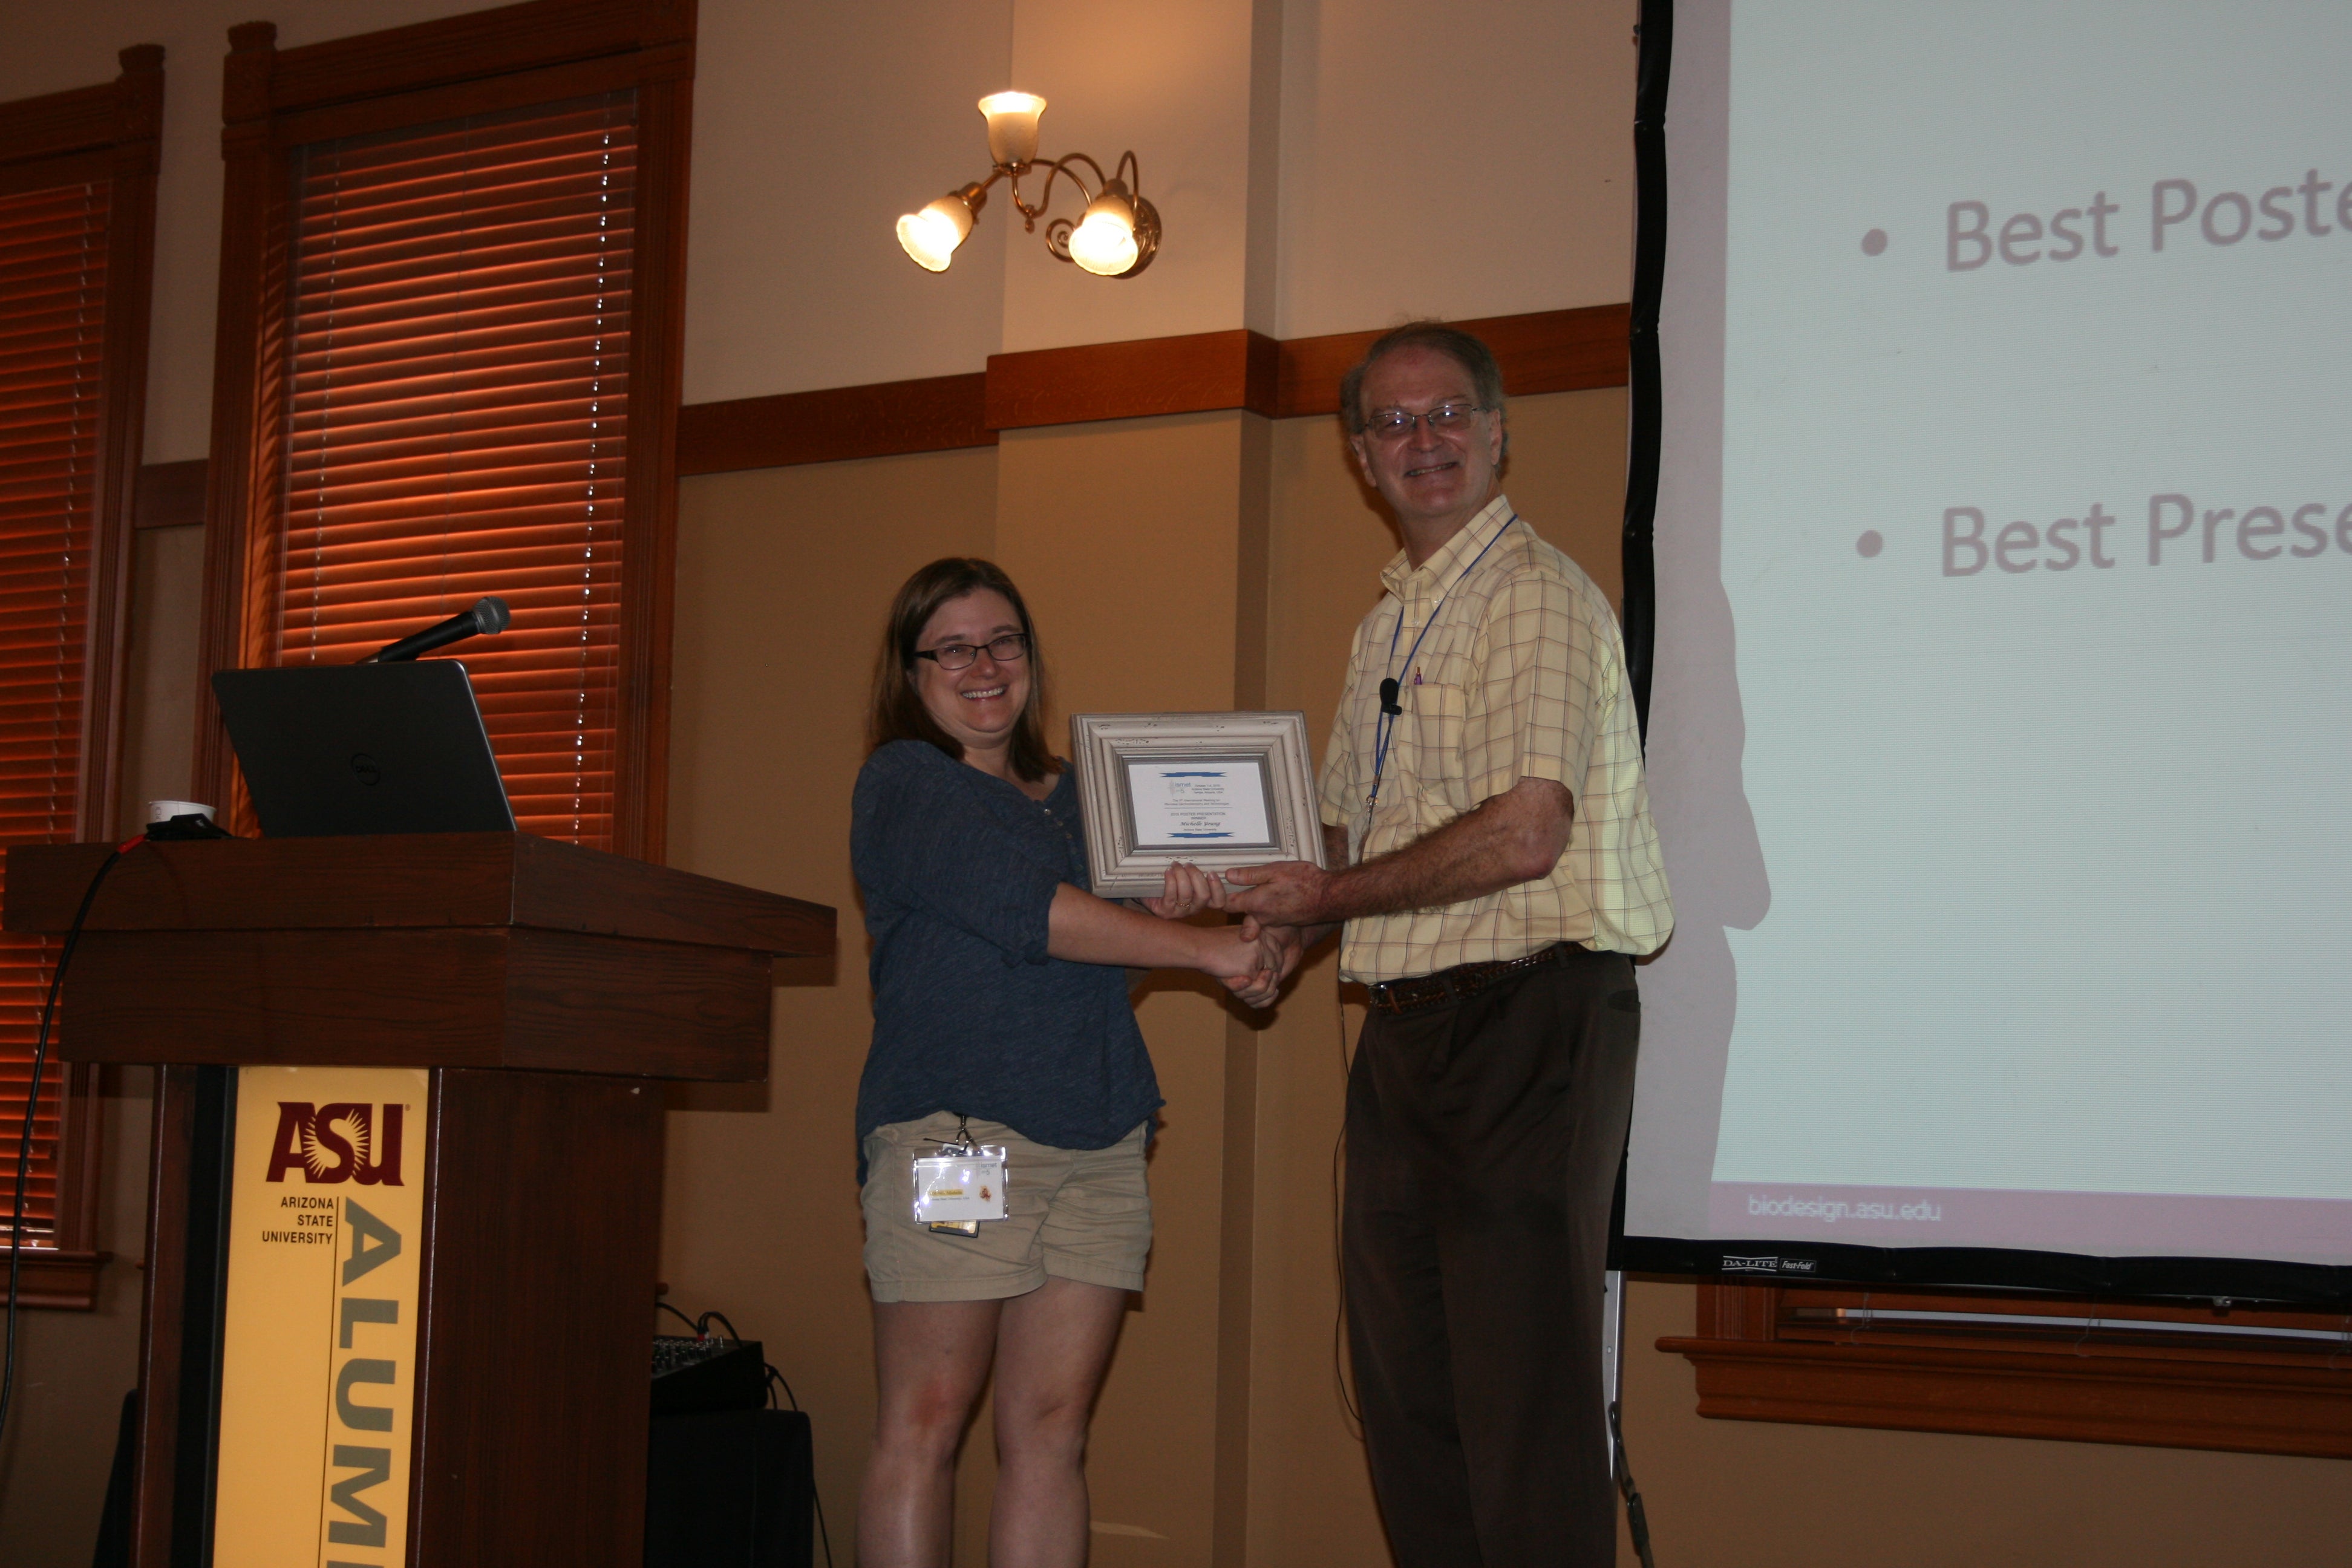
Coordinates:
<point>1249,963</point>
<point>1252,969</point>
<point>1186,890</point>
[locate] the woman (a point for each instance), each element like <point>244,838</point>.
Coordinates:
<point>1001,1010</point>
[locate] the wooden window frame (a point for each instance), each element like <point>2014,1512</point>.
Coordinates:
<point>275,100</point>
<point>111,132</point>
<point>1768,1352</point>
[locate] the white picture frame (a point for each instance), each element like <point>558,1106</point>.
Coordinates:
<point>1219,790</point>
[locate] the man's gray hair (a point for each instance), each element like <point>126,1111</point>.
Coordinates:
<point>1463,348</point>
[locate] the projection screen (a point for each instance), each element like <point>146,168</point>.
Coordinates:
<point>2001,722</point>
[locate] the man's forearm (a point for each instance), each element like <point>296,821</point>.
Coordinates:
<point>1513,838</point>
<point>1469,857</point>
<point>1335,856</point>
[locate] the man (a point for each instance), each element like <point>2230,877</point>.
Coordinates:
<point>1497,873</point>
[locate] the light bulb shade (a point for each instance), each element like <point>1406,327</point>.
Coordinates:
<point>1012,127</point>
<point>1104,242</point>
<point>930,236</point>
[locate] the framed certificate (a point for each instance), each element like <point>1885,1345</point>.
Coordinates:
<point>1215,789</point>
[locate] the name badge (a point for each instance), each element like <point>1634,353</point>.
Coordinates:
<point>960,1185</point>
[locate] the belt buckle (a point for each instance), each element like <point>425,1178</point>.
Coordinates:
<point>1457,983</point>
<point>1414,992</point>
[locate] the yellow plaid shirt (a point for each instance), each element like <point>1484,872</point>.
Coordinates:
<point>1521,676</point>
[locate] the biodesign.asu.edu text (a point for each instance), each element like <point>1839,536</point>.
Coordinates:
<point>1831,1210</point>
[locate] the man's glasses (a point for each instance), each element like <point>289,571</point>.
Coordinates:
<point>1395,424</point>
<point>1005,649</point>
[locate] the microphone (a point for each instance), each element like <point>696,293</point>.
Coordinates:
<point>1388,703</point>
<point>487,618</point>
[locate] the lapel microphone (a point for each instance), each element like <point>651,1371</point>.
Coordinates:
<point>1388,703</point>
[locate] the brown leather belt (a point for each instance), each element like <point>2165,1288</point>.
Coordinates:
<point>1419,992</point>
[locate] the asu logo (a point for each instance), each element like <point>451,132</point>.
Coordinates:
<point>345,1142</point>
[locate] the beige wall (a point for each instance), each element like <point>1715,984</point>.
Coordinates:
<point>73,1368</point>
<point>1472,161</point>
<point>814,127</point>
<point>76,1368</point>
<point>1179,98</point>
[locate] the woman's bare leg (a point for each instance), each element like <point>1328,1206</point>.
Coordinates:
<point>1053,1346</point>
<point>930,1359</point>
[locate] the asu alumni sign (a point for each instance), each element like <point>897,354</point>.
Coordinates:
<point>319,1344</point>
<point>400,1298</point>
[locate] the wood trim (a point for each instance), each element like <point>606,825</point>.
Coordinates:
<point>1547,351</point>
<point>466,47</point>
<point>2090,1399</point>
<point>247,213</point>
<point>72,1264</point>
<point>1756,1363</point>
<point>434,881</point>
<point>1189,374</point>
<point>131,273</point>
<point>161,1306</point>
<point>657,381</point>
<point>170,495</point>
<point>47,174</point>
<point>537,1271</point>
<point>886,419</point>
<point>122,119</point>
<point>455,101</point>
<point>273,100</point>
<point>52,1277</point>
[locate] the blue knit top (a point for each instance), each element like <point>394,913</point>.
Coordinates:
<point>959,869</point>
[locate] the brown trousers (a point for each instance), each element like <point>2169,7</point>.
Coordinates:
<point>1484,1138</point>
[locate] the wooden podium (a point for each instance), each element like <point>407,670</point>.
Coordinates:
<point>544,990</point>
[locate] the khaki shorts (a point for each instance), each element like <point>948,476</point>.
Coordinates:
<point>1071,1214</point>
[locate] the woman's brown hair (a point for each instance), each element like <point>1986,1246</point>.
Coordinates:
<point>898,711</point>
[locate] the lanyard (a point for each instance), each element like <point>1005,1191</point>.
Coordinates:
<point>1384,723</point>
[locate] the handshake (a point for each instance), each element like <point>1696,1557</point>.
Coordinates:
<point>1253,958</point>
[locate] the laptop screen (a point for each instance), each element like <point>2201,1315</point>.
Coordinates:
<point>331,750</point>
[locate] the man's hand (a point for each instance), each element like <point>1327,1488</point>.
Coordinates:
<point>1285,945</point>
<point>1281,893</point>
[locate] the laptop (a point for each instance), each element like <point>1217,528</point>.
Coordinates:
<point>335,750</point>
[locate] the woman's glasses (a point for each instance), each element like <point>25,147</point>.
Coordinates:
<point>1005,649</point>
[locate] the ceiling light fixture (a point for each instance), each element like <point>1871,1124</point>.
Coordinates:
<point>1115,236</point>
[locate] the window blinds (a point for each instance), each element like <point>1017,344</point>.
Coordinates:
<point>456,384</point>
<point>53,253</point>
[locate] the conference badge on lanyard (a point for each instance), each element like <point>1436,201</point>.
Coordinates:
<point>960,1184</point>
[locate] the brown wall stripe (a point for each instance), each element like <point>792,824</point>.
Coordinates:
<point>1547,351</point>
<point>1133,380</point>
<point>936,413</point>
